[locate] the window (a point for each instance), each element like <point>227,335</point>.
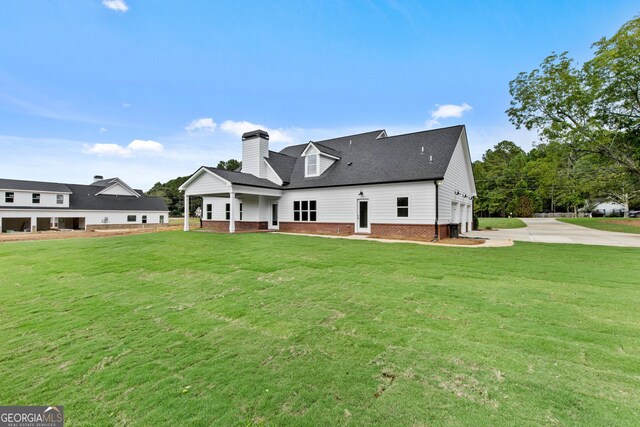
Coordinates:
<point>131,218</point>
<point>8,197</point>
<point>209,211</point>
<point>60,199</point>
<point>35,198</point>
<point>144,219</point>
<point>305,210</point>
<point>312,164</point>
<point>227,211</point>
<point>161,219</point>
<point>240,211</point>
<point>403,207</point>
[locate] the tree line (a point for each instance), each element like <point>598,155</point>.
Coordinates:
<point>174,198</point>
<point>588,119</point>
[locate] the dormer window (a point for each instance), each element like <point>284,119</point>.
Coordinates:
<point>312,164</point>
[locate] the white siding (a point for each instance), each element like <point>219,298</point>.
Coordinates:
<point>455,208</point>
<point>117,190</point>
<point>253,152</point>
<point>338,204</point>
<point>24,198</point>
<point>91,217</point>
<point>271,175</point>
<point>325,162</point>
<point>206,183</point>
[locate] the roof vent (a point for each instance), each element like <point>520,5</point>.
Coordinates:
<point>349,164</point>
<point>422,150</point>
<point>430,158</point>
<point>97,178</point>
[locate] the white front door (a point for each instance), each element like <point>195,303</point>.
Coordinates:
<point>362,224</point>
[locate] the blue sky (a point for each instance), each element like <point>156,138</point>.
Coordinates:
<point>150,90</point>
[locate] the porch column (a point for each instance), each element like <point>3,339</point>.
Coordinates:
<point>232,212</point>
<point>0,224</point>
<point>186,213</point>
<point>34,224</point>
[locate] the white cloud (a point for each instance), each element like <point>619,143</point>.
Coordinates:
<point>205,124</point>
<point>103,130</point>
<point>447,111</point>
<point>135,146</point>
<point>126,105</point>
<point>150,146</point>
<point>118,5</point>
<point>238,128</point>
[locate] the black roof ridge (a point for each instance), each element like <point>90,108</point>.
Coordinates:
<point>423,131</point>
<point>37,182</point>
<point>282,154</point>
<point>330,139</point>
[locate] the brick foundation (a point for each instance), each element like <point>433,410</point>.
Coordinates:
<point>123,226</point>
<point>334,228</point>
<point>223,226</point>
<point>424,232</point>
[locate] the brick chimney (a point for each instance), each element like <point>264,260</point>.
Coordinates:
<point>255,147</point>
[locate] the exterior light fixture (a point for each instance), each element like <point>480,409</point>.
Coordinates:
<point>360,193</point>
<point>457,193</point>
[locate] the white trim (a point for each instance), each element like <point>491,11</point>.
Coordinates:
<point>304,153</point>
<point>306,165</point>
<point>11,190</point>
<point>197,174</point>
<point>383,134</point>
<point>274,171</point>
<point>118,181</point>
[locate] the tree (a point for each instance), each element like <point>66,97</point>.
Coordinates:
<point>595,109</point>
<point>230,165</point>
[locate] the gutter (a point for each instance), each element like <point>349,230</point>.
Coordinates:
<point>435,182</point>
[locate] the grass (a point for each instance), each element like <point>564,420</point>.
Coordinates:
<point>195,328</point>
<point>501,223</point>
<point>623,225</point>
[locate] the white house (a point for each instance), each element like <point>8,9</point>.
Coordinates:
<point>106,203</point>
<point>411,186</point>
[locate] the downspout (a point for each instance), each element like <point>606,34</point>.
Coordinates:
<point>437,193</point>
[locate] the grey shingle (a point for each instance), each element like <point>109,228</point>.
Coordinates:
<point>84,197</point>
<point>243,178</point>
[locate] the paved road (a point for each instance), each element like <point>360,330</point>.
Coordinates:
<point>548,230</point>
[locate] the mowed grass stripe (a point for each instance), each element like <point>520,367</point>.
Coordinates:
<point>270,329</point>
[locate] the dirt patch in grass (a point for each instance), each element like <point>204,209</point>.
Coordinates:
<point>461,241</point>
<point>630,222</point>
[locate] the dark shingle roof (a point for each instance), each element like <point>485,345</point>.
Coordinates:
<point>14,184</point>
<point>243,178</point>
<point>84,197</point>
<point>367,159</point>
<point>282,164</point>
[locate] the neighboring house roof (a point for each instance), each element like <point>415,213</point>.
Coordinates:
<point>242,178</point>
<point>86,197</point>
<point>14,184</point>
<point>368,159</point>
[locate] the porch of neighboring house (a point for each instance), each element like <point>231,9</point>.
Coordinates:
<point>39,223</point>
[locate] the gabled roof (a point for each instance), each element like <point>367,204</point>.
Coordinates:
<point>242,178</point>
<point>86,197</point>
<point>52,187</point>
<point>281,164</point>
<point>367,159</point>
<point>112,182</point>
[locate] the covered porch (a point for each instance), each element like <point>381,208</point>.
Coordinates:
<point>242,208</point>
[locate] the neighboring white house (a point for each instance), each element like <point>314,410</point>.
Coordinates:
<point>106,203</point>
<point>405,186</point>
<point>609,208</point>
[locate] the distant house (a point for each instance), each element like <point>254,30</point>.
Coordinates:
<point>106,203</point>
<point>608,209</point>
<point>411,186</point>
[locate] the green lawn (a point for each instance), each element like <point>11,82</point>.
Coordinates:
<point>623,225</point>
<point>501,223</point>
<point>206,329</point>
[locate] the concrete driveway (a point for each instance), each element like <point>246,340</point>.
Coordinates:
<point>548,230</point>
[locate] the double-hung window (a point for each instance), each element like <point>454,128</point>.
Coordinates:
<point>8,197</point>
<point>403,207</point>
<point>312,164</point>
<point>35,198</point>
<point>227,211</point>
<point>59,199</point>
<point>209,211</point>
